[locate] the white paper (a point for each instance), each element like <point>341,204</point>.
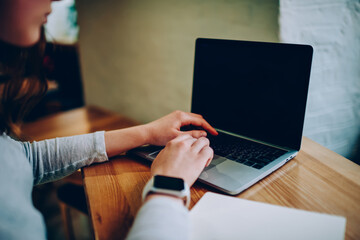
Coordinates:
<point>217,216</point>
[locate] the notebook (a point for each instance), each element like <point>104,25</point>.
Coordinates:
<point>217,216</point>
<point>254,94</point>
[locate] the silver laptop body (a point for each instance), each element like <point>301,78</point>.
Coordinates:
<point>253,93</point>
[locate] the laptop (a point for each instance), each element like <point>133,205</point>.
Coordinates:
<point>254,94</point>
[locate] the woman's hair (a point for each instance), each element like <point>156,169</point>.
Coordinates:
<point>22,83</point>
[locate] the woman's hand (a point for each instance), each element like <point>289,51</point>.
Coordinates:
<point>158,132</point>
<point>183,157</point>
<point>161,131</point>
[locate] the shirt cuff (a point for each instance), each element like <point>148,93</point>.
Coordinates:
<point>161,218</point>
<point>99,146</point>
<point>161,201</point>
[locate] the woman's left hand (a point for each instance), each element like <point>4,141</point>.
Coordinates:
<point>165,129</point>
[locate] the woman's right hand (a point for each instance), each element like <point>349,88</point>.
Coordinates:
<point>183,157</point>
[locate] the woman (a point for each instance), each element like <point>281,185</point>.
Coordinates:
<point>23,164</point>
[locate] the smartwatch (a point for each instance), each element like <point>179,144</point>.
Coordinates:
<point>176,187</point>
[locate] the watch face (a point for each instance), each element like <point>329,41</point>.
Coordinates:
<point>164,182</point>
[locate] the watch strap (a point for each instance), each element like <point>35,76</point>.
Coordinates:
<point>184,194</point>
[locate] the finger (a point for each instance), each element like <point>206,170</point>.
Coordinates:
<point>199,144</point>
<point>183,145</point>
<point>200,122</point>
<point>208,154</point>
<point>195,133</point>
<point>196,115</point>
<point>186,138</point>
<point>209,161</point>
<point>190,141</point>
<point>182,137</point>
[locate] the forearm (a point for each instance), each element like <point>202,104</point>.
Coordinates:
<point>122,140</point>
<point>55,158</point>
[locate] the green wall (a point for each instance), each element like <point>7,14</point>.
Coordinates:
<point>137,56</point>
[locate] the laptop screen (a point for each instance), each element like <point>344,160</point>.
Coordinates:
<point>254,89</point>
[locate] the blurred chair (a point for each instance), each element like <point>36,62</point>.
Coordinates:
<point>63,73</point>
<point>71,196</point>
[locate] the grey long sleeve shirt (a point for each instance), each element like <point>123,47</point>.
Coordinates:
<point>24,164</point>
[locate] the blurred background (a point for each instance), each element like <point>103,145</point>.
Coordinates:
<point>136,57</point>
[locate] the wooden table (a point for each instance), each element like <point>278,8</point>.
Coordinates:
<point>317,179</point>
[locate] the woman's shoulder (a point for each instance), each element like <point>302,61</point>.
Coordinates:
<point>10,148</point>
<point>15,166</point>
<point>8,142</point>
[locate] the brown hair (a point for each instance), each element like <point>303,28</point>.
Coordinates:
<point>22,83</point>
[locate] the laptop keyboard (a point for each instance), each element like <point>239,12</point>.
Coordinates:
<point>243,151</point>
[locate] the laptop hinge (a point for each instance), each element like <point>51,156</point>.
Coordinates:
<point>254,140</point>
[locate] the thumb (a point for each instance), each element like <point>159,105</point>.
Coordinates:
<point>208,162</point>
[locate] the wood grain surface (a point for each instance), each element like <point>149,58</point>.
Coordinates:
<point>316,180</point>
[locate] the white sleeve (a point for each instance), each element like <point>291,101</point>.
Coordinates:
<point>162,219</point>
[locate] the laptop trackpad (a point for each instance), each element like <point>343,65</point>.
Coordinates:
<point>228,174</point>
<point>216,161</point>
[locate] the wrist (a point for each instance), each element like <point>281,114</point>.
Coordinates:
<point>148,135</point>
<point>114,140</point>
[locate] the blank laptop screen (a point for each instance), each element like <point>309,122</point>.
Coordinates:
<point>254,89</point>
